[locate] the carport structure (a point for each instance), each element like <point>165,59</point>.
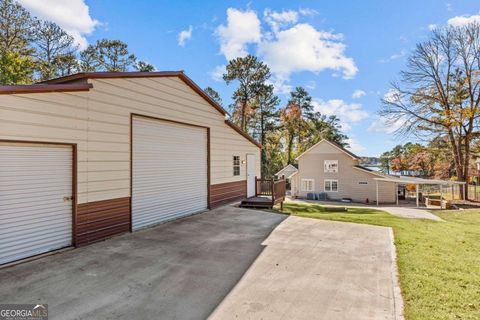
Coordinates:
<point>417,182</point>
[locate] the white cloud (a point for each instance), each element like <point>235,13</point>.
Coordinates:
<point>303,48</point>
<point>392,95</point>
<point>459,21</point>
<point>348,113</point>
<point>287,46</point>
<point>346,127</point>
<point>217,72</point>
<point>73,16</point>
<point>184,36</point>
<point>311,85</point>
<point>243,28</point>
<point>432,26</point>
<point>277,20</point>
<point>358,94</point>
<point>381,124</point>
<point>355,146</point>
<point>402,53</point>
<point>308,12</point>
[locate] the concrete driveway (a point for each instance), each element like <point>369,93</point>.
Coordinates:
<point>404,211</point>
<point>228,263</point>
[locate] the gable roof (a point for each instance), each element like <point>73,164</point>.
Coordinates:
<point>154,74</point>
<point>78,82</point>
<point>287,166</point>
<point>336,145</point>
<point>376,173</point>
<point>243,133</point>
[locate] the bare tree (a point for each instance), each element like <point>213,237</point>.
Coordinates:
<point>439,92</point>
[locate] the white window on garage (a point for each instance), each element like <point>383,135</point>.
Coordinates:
<point>331,185</point>
<point>236,165</point>
<point>330,166</point>
<point>308,184</point>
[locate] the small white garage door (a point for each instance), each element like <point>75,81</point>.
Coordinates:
<point>169,171</point>
<point>35,200</point>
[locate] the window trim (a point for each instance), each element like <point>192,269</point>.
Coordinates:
<point>309,180</point>
<point>331,162</point>
<point>331,189</point>
<point>236,165</point>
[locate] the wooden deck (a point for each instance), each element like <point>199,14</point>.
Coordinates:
<point>267,194</point>
<point>257,202</point>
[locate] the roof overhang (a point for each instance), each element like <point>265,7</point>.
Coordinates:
<point>154,74</point>
<point>350,154</point>
<point>293,174</point>
<point>369,171</point>
<point>37,88</point>
<point>74,83</point>
<point>414,180</point>
<point>286,167</point>
<point>244,134</point>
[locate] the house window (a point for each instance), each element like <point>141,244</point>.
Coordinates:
<point>330,166</point>
<point>236,165</point>
<point>308,184</point>
<point>331,185</point>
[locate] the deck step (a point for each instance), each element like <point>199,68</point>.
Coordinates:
<point>256,205</point>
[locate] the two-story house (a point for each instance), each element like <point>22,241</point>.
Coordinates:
<point>328,167</point>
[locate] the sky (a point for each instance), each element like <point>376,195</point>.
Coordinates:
<point>345,53</point>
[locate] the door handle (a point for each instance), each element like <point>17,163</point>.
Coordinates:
<point>68,198</point>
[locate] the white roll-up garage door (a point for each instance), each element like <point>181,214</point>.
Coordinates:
<point>35,200</point>
<point>169,171</point>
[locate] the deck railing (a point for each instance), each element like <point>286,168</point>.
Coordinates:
<point>270,187</point>
<point>264,187</point>
<point>279,189</point>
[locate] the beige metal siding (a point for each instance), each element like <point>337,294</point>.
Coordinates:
<point>99,122</point>
<point>311,166</point>
<point>34,217</point>
<point>169,171</point>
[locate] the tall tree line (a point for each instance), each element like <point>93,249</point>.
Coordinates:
<point>34,50</point>
<point>284,131</point>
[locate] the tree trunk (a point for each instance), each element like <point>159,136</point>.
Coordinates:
<point>289,148</point>
<point>466,166</point>
<point>461,158</point>
<point>263,151</point>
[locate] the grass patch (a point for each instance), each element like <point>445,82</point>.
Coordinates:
<point>438,262</point>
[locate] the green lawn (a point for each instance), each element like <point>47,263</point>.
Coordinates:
<point>438,262</point>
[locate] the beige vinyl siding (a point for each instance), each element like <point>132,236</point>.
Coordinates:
<point>311,166</point>
<point>287,171</point>
<point>99,122</point>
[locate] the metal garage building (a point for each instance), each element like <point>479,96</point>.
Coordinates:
<point>91,155</point>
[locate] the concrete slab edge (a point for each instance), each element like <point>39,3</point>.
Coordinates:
<point>397,292</point>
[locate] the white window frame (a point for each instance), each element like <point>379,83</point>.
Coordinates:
<point>307,181</point>
<point>330,184</point>
<point>236,165</point>
<point>327,166</point>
